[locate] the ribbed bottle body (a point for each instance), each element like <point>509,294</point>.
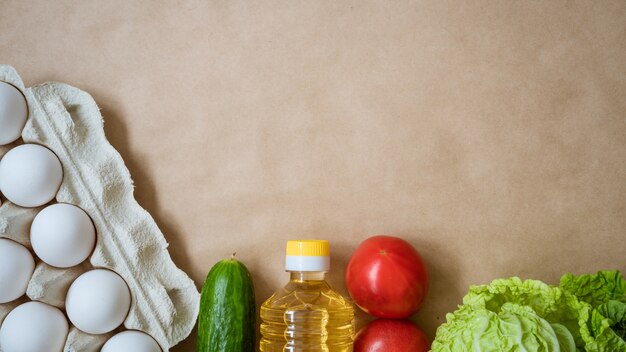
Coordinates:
<point>307,315</point>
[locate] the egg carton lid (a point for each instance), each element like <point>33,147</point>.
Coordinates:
<point>65,119</point>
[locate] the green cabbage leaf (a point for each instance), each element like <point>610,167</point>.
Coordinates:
<point>513,315</point>
<point>585,313</point>
<point>605,328</point>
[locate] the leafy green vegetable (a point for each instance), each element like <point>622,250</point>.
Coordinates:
<point>566,340</point>
<point>512,315</point>
<point>615,311</point>
<point>596,289</point>
<point>513,328</point>
<point>548,301</point>
<point>605,330</point>
<point>586,313</point>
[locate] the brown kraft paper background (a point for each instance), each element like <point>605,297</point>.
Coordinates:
<point>489,134</point>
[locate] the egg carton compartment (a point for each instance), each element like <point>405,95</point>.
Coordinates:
<point>164,300</point>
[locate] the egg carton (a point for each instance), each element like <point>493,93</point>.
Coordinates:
<point>165,301</point>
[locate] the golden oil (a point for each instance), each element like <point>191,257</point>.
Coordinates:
<point>306,314</point>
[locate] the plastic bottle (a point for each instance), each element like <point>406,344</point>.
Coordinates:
<point>306,314</point>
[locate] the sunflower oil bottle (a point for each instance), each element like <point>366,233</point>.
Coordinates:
<point>306,314</point>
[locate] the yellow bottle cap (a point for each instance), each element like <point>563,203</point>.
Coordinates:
<point>308,248</point>
<point>308,255</point>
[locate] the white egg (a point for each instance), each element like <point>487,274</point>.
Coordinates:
<point>34,327</point>
<point>131,340</point>
<point>30,175</point>
<point>16,268</point>
<point>98,301</point>
<point>13,113</point>
<point>62,235</point>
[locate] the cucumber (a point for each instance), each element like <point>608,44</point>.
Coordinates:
<point>226,322</point>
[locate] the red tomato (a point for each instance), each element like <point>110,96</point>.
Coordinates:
<point>387,278</point>
<point>386,335</point>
